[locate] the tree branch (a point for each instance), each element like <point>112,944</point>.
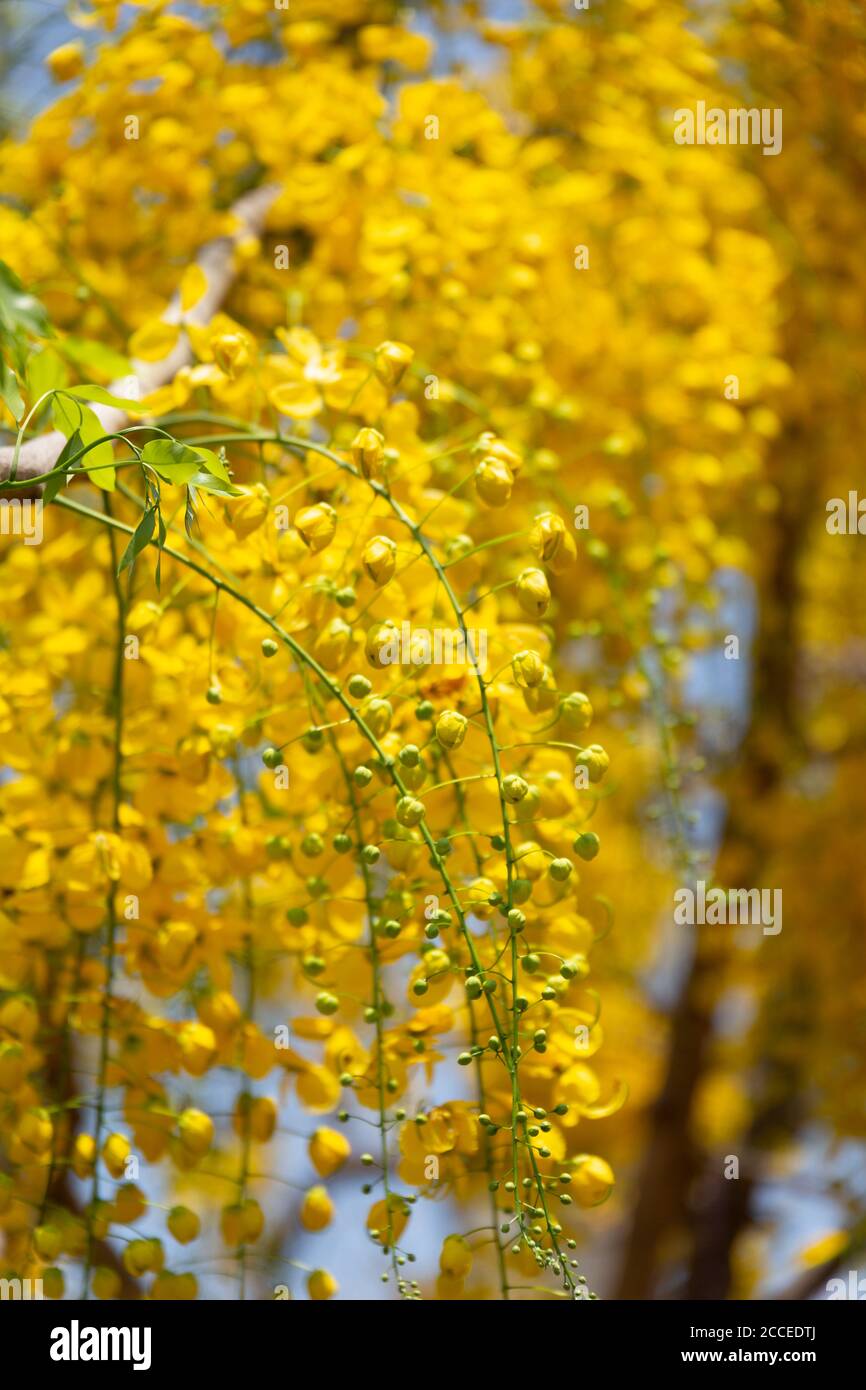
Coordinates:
<point>38,456</point>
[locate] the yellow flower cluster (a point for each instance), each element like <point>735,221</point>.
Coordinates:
<point>303,814</point>
<point>327,753</point>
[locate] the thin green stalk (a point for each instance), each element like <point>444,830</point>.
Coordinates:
<point>105,1026</point>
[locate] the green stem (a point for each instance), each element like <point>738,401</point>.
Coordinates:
<point>105,1026</point>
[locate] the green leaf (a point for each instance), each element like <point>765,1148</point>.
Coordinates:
<point>174,462</point>
<point>20,312</point>
<point>160,542</point>
<point>208,483</point>
<point>190,520</point>
<point>103,397</point>
<point>70,416</point>
<point>215,463</point>
<point>46,370</point>
<point>71,448</point>
<point>9,391</point>
<point>177,463</point>
<point>95,357</point>
<point>140,538</point>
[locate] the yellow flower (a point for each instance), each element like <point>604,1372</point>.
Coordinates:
<point>552,543</point>
<point>377,715</point>
<point>825,1248</point>
<point>174,1287</point>
<point>533,592</point>
<point>595,760</point>
<point>143,1257</point>
<point>477,898</point>
<point>242,1223</point>
<point>576,710</point>
<point>328,1150</point>
<point>492,446</point>
<point>386,1220</point>
<point>198,1046</point>
<point>322,1285</point>
<point>129,1204</point>
<point>154,340</point>
<point>593,1180</point>
<point>193,284</point>
<point>115,1152</point>
<point>494,481</point>
<point>220,1011</point>
<point>368,451</point>
<point>455,1257</point>
<point>391,361</point>
<point>183,1224</point>
<point>83,1155</point>
<point>231,352</point>
<point>196,1131</point>
<point>12,1066</point>
<point>382,645</point>
<point>19,1017</point>
<point>247,513</point>
<point>47,1241</point>
<point>379,558</point>
<point>106,1283</point>
<point>528,669</point>
<point>66,62</point>
<point>451,728</point>
<point>332,646</point>
<point>255,1116</point>
<point>317,1209</point>
<point>299,400</point>
<point>53,1283</point>
<point>316,525</point>
<point>33,1135</point>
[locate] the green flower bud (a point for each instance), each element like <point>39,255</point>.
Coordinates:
<point>410,811</point>
<point>587,845</point>
<point>514,788</point>
<point>451,728</point>
<point>560,869</point>
<point>358,687</point>
<point>576,711</point>
<point>533,592</point>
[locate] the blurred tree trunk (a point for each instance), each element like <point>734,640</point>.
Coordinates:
<point>671,1203</point>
